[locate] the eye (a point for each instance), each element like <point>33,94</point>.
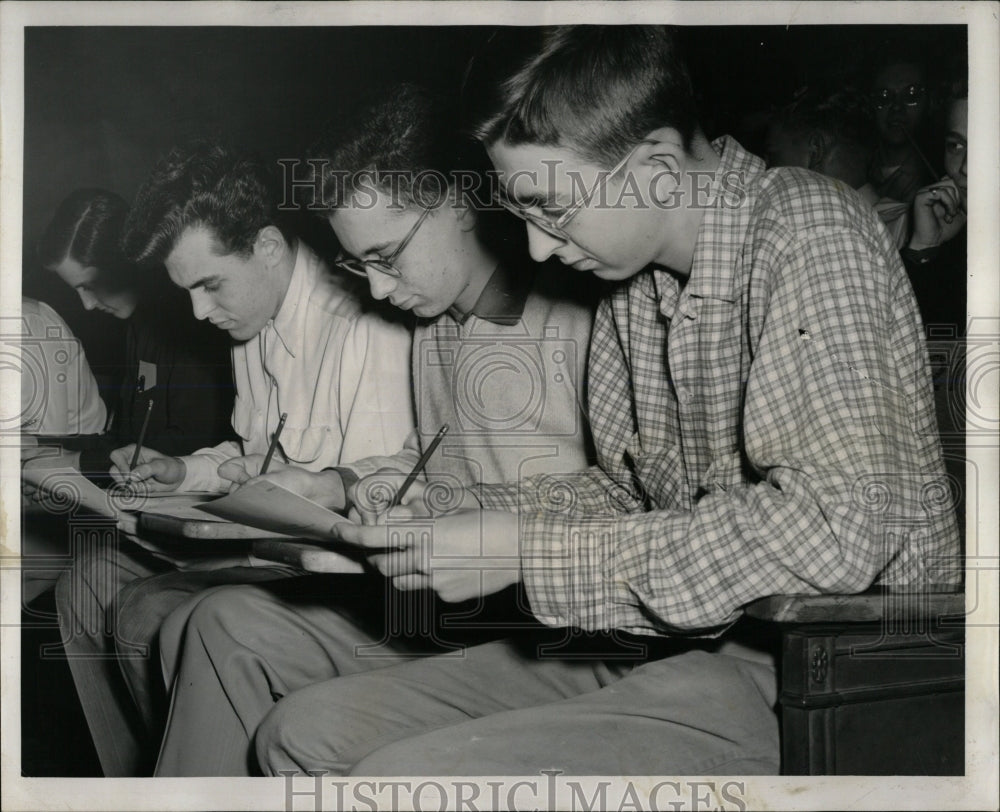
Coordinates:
<point>954,146</point>
<point>211,287</point>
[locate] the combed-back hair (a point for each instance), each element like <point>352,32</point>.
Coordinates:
<point>202,184</point>
<point>87,227</point>
<point>845,114</point>
<point>597,90</point>
<point>406,143</point>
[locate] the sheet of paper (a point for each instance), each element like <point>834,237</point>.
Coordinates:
<point>67,487</point>
<point>269,506</point>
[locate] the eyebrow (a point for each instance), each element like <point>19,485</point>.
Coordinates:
<point>207,280</point>
<point>958,135</point>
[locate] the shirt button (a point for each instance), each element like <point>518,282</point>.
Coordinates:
<point>685,395</point>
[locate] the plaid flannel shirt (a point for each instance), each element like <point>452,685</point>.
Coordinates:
<point>766,428</point>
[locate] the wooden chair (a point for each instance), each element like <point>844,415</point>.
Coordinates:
<point>870,684</point>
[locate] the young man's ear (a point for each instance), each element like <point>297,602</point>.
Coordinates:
<point>662,153</point>
<point>270,244</point>
<point>817,151</point>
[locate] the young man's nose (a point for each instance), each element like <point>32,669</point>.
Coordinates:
<point>381,284</point>
<point>88,299</point>
<point>541,244</point>
<point>201,304</point>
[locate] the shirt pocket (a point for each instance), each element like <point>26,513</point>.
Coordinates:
<point>659,473</point>
<point>312,447</point>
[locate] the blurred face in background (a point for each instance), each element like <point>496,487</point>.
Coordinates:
<point>93,291</point>
<point>956,145</point>
<point>900,99</point>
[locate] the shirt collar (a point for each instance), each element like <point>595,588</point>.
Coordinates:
<point>284,322</point>
<point>502,300</point>
<point>724,226</point>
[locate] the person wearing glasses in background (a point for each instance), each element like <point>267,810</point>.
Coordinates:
<point>758,364</point>
<point>303,344</point>
<point>901,101</point>
<point>499,356</point>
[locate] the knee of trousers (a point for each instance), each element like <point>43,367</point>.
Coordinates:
<point>223,615</point>
<point>280,741</point>
<point>311,729</point>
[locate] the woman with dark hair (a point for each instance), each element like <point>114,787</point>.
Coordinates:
<point>178,363</point>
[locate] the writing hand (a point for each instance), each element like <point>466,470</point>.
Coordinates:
<point>240,470</point>
<point>160,472</point>
<point>372,496</point>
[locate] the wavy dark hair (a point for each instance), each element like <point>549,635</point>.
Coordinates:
<point>406,143</point>
<point>87,227</point>
<point>207,184</point>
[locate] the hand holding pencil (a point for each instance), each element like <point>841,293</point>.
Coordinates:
<point>160,472</point>
<point>377,494</point>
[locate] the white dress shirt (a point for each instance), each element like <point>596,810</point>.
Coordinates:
<point>340,372</point>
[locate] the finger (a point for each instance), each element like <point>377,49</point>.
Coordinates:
<point>396,564</point>
<point>122,457</point>
<point>141,473</point>
<point>947,197</point>
<point>234,471</point>
<point>374,537</point>
<point>409,583</point>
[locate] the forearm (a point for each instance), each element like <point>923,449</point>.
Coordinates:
<point>590,492</point>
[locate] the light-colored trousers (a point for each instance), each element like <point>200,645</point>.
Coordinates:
<point>259,682</point>
<point>111,602</point>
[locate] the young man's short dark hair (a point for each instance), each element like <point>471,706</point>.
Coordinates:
<point>406,144</point>
<point>595,89</point>
<point>201,184</point>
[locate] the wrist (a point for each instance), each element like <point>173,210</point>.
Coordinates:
<point>916,245</point>
<point>333,485</point>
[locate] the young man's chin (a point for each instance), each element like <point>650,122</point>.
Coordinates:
<point>613,274</point>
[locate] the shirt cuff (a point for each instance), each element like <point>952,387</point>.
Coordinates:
<point>201,474</point>
<point>562,570</point>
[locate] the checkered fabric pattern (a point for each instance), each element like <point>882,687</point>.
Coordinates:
<point>766,428</point>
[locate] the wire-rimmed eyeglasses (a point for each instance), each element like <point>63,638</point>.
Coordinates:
<point>360,267</point>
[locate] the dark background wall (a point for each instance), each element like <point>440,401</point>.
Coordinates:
<point>102,103</point>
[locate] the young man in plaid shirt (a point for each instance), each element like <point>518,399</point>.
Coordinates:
<point>762,411</point>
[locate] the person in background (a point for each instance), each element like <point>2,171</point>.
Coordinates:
<point>59,396</point>
<point>179,363</point>
<point>936,261</point>
<point>899,94</point>
<point>834,134</point>
<point>935,255</point>
<point>302,344</point>
<point>499,356</point>
<point>59,393</point>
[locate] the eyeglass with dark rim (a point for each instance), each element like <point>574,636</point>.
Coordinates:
<point>557,228</point>
<point>909,96</point>
<point>359,267</point>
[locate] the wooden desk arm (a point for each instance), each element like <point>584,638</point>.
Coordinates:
<point>875,605</point>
